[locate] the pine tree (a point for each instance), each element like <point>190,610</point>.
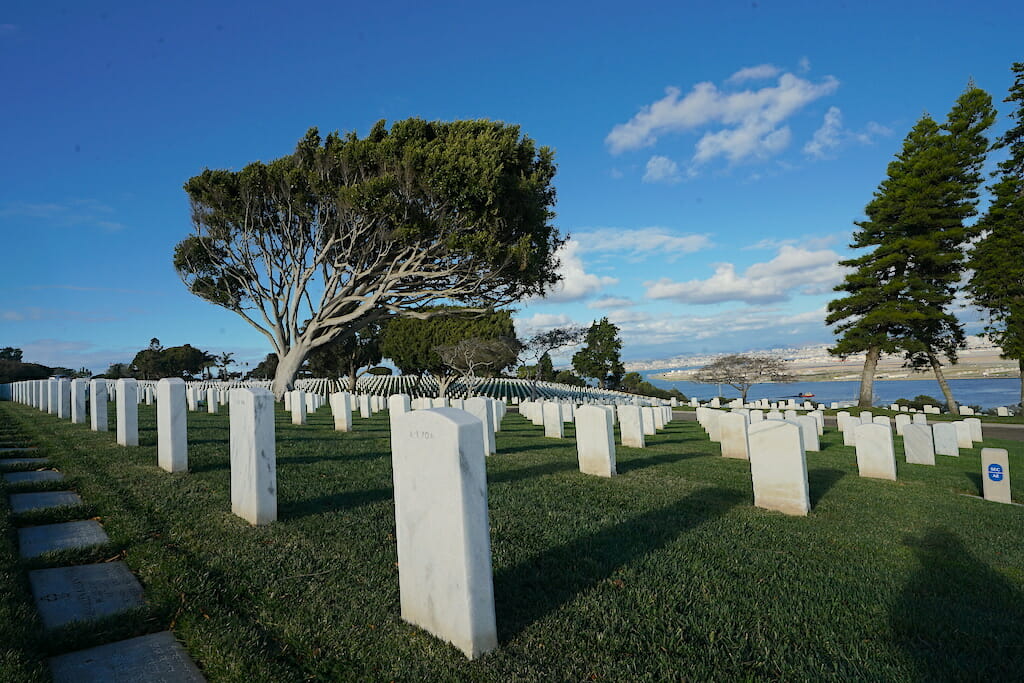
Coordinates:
<point>600,357</point>
<point>900,294</point>
<point>997,280</point>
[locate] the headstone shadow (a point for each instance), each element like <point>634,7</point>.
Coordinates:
<point>343,500</point>
<point>540,585</point>
<point>629,464</point>
<point>975,478</point>
<point>958,619</point>
<point>821,482</point>
<point>532,471</point>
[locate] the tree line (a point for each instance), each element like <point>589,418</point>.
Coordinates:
<point>922,251</point>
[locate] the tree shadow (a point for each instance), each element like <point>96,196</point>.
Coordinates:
<point>344,500</point>
<point>540,585</point>
<point>533,471</point>
<point>821,482</point>
<point>957,619</point>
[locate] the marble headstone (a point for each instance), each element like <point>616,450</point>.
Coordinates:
<point>778,467</point>
<point>253,455</point>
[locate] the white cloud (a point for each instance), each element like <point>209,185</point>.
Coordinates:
<point>831,135</point>
<point>611,302</point>
<point>75,213</point>
<point>793,268</point>
<point>35,313</point>
<point>813,242</point>
<point>827,137</point>
<point>804,65</point>
<point>641,242</point>
<point>731,329</point>
<point>754,73</point>
<point>576,283</point>
<point>661,170</point>
<point>751,119</point>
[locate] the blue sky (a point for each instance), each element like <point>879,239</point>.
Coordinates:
<point>712,155</point>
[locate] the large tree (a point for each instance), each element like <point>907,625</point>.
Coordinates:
<point>997,260</point>
<point>599,358</point>
<point>474,356</point>
<point>899,295</point>
<point>540,345</point>
<point>413,344</point>
<point>347,356</point>
<point>313,246</point>
<point>742,371</point>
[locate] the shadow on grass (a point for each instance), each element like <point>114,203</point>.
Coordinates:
<point>529,591</point>
<point>533,471</point>
<point>957,619</point>
<point>345,500</point>
<point>975,478</point>
<point>630,464</point>
<point>821,482</point>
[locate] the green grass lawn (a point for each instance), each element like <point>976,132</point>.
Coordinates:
<point>665,572</point>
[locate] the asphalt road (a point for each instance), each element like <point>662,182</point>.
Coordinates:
<point>1010,432</point>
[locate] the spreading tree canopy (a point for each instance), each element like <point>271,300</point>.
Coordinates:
<point>347,231</point>
<point>997,260</point>
<point>414,344</point>
<point>600,358</point>
<point>346,356</point>
<point>742,371</point>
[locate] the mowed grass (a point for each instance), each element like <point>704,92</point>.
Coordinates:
<point>665,572</point>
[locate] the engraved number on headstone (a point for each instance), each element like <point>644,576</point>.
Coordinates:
<point>420,435</point>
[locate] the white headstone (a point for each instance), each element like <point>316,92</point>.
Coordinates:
<point>995,475</point>
<point>875,455</point>
<point>298,407</point>
<point>648,417</point>
<point>974,424</point>
<point>1002,411</point>
<point>98,405</point>
<point>341,408</point>
<point>553,426</point>
<point>963,434</point>
<point>756,415</point>
<point>64,399</point>
<point>866,417</point>
<point>809,432</point>
<point>482,409</point>
<point>918,445</point>
<point>78,400</point>
<point>171,430</point>
<point>127,412</point>
<point>778,467</point>
<point>631,426</point>
<point>840,419</point>
<point>901,423</point>
<point>919,418</point>
<point>253,456</point>
<point>945,436</point>
<point>365,410</point>
<point>212,404</point>
<point>595,441</point>
<point>442,529</point>
<point>733,430</point>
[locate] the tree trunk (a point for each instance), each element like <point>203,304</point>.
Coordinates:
<point>1020,368</point>
<point>867,378</point>
<point>352,380</point>
<point>442,385</point>
<point>951,405</point>
<point>287,368</point>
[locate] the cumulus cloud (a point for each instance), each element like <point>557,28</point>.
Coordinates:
<point>730,329</point>
<point>831,135</point>
<point>751,120</point>
<point>754,73</point>
<point>576,283</point>
<point>826,138</point>
<point>662,170</point>
<point>641,242</point>
<point>792,269</point>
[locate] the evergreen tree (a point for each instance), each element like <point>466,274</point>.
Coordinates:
<point>600,357</point>
<point>545,368</point>
<point>997,280</point>
<point>899,296</point>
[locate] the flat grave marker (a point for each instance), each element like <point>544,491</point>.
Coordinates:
<point>33,541</point>
<point>84,593</point>
<point>152,658</point>
<point>23,502</point>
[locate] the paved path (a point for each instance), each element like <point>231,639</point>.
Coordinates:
<point>83,593</point>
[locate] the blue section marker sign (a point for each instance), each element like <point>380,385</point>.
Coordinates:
<point>995,472</point>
